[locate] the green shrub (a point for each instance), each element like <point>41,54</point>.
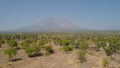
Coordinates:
<point>75,44</point>
<point>118,48</point>
<point>84,47</point>
<point>33,51</point>
<point>41,43</point>
<point>12,43</point>
<point>48,50</point>
<point>1,42</point>
<point>108,51</point>
<point>29,41</point>
<point>29,51</point>
<point>105,62</point>
<point>36,49</point>
<point>25,45</point>
<point>97,48</point>
<point>81,55</point>
<point>64,42</point>
<point>67,48</point>
<point>11,52</point>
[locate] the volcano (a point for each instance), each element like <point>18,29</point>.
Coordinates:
<point>52,24</point>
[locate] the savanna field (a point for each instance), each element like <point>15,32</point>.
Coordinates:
<point>60,50</point>
<point>59,33</point>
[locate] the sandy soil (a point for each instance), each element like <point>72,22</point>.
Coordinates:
<point>57,60</point>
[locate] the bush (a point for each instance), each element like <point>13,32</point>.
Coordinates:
<point>118,48</point>
<point>48,50</point>
<point>84,47</point>
<point>29,51</point>
<point>11,52</point>
<point>67,48</point>
<point>33,51</point>
<point>12,43</point>
<point>1,42</point>
<point>75,44</point>
<point>37,49</point>
<point>30,41</point>
<point>41,43</point>
<point>97,47</point>
<point>81,55</point>
<point>64,42</point>
<point>105,62</point>
<point>108,51</point>
<point>25,45</point>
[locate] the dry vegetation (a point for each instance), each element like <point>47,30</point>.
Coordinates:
<point>60,50</point>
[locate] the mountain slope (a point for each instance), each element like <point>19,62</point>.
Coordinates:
<point>50,24</point>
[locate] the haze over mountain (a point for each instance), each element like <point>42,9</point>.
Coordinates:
<point>51,24</point>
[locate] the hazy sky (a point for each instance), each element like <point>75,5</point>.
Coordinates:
<point>91,14</point>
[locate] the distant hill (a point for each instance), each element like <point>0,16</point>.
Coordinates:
<point>51,24</point>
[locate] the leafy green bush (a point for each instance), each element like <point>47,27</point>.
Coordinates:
<point>36,50</point>
<point>67,48</point>
<point>1,42</point>
<point>42,43</point>
<point>12,43</point>
<point>29,41</point>
<point>25,45</point>
<point>33,51</point>
<point>75,44</point>
<point>11,52</point>
<point>29,51</point>
<point>118,49</point>
<point>48,50</point>
<point>81,55</point>
<point>64,42</point>
<point>84,47</point>
<point>108,51</point>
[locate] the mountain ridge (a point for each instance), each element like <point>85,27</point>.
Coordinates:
<point>52,24</point>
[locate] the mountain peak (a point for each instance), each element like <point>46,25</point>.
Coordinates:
<point>50,24</point>
<point>55,22</point>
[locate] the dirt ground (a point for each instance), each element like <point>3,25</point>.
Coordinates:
<point>57,60</point>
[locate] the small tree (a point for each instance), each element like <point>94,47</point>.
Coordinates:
<point>11,52</point>
<point>81,55</point>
